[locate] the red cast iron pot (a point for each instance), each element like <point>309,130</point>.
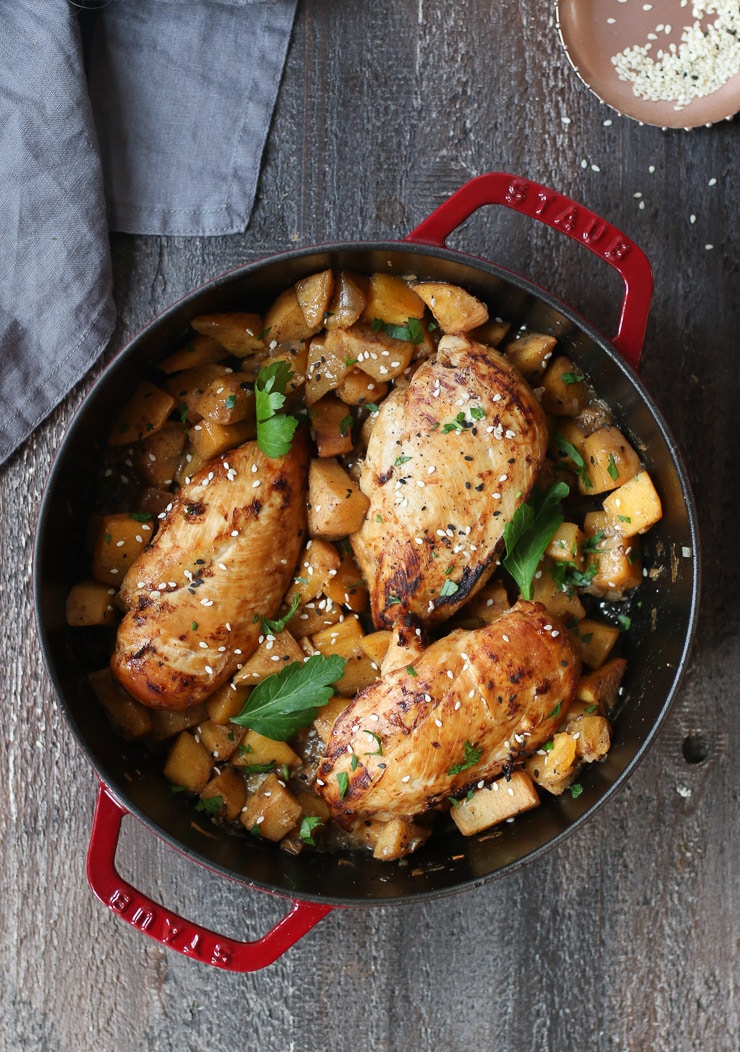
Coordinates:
<point>659,641</point>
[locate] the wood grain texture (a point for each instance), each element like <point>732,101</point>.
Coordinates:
<point>626,937</point>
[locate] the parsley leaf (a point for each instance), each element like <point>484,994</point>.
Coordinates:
<point>272,628</point>
<point>471,755</point>
<point>529,533</point>
<point>572,378</point>
<point>290,699</point>
<point>141,516</point>
<point>378,742</point>
<point>211,805</point>
<point>612,469</point>
<point>308,824</point>
<point>275,430</point>
<point>567,449</point>
<point>401,460</point>
<point>343,783</point>
<point>575,790</point>
<point>230,401</point>
<point>448,588</point>
<point>411,332</point>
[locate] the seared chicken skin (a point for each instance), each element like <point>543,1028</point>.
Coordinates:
<point>223,558</point>
<point>470,705</point>
<point>450,458</point>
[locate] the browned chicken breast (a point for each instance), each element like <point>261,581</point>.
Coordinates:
<point>450,458</point>
<point>471,705</point>
<point>223,558</point>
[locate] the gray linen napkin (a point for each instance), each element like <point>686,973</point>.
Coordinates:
<point>166,133</point>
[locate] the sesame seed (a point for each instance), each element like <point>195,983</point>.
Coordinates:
<point>406,778</point>
<point>209,670</point>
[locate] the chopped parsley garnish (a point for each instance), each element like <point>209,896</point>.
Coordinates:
<point>529,533</point>
<point>447,589</point>
<point>343,783</point>
<point>194,626</point>
<point>272,628</point>
<point>411,332</point>
<point>182,411</point>
<point>567,449</point>
<point>572,378</point>
<point>624,622</point>
<point>401,460</point>
<point>591,545</point>
<point>568,577</point>
<point>471,755</point>
<point>548,746</point>
<point>307,826</point>
<point>346,424</point>
<point>290,699</point>
<point>259,768</point>
<point>210,806</point>
<point>141,516</point>
<point>477,413</point>
<point>378,742</point>
<point>576,790</point>
<point>458,424</point>
<point>612,469</point>
<point>371,407</point>
<point>555,711</point>
<point>275,430</point>
<point>412,671</point>
<point>230,401</point>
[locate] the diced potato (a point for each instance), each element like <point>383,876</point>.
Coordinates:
<point>158,457</point>
<point>344,639</point>
<point>601,686</point>
<point>559,603</point>
<point>399,837</point>
<point>327,365</point>
<point>564,389</point>
<point>240,332</point>
<point>336,506</point>
<point>313,805</point>
<point>210,439</point>
<point>272,655</point>
<point>455,310</point>
<point>492,332</point>
<point>166,724</point>
<point>91,603</point>
<point>357,388</point>
<point>614,563</point>
<point>565,545</point>
<point>331,423</point>
<point>188,764</point>
<point>314,295</point>
<point>255,750</point>
<point>226,702</point>
<point>286,321</point>
<point>144,413</point>
<point>318,613</point>
<point>272,811</point>
<point>317,564</point>
<point>375,645</point>
<point>229,785</point>
<point>188,386</point>
<point>328,714</point>
<point>495,803</point>
<point>199,350</point>
<point>152,501</point>
<point>381,356</point>
<point>221,740</point>
<point>129,717</point>
<point>486,606</point>
<point>530,353</point>
<point>555,766</point>
<point>347,586</point>
<point>592,736</point>
<point>610,460</point>
<point>390,299</point>
<point>595,640</point>
<point>120,539</point>
<point>635,506</point>
<point>226,400</point>
<point>348,300</point>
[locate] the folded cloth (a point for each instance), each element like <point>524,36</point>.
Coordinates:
<point>164,136</point>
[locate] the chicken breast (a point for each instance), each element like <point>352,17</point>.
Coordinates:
<point>470,706</point>
<point>223,558</point>
<point>450,458</point>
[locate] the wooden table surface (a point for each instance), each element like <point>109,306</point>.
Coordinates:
<point>626,937</point>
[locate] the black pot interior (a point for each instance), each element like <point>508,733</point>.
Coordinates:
<point>662,621</point>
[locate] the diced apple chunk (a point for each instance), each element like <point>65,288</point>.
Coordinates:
<point>635,506</point>
<point>495,803</point>
<point>336,506</point>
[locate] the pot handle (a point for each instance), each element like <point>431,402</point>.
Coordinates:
<point>167,927</point>
<point>563,214</point>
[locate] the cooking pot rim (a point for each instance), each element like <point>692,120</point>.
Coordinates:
<point>334,249</point>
